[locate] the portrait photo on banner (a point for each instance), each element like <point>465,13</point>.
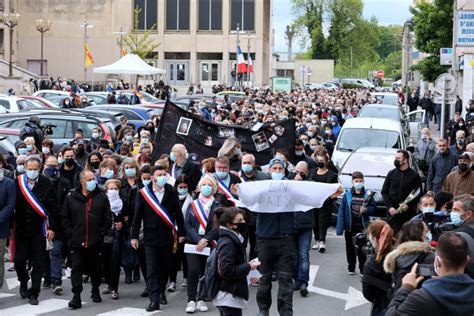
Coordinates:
<point>184,126</point>
<point>260,141</point>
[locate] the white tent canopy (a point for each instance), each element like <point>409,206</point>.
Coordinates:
<point>130,64</point>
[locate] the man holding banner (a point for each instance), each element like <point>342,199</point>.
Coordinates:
<point>36,217</point>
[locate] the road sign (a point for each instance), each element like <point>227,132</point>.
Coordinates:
<point>450,81</point>
<point>380,73</point>
<point>449,99</point>
<point>445,56</point>
<point>309,72</point>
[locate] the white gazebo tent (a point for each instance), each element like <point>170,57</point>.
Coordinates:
<point>129,64</point>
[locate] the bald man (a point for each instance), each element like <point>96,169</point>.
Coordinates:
<point>181,165</point>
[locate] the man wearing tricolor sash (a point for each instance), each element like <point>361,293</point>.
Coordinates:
<point>36,217</point>
<point>157,205</point>
<point>225,181</point>
<point>181,164</point>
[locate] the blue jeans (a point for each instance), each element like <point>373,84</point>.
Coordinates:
<point>53,272</point>
<point>302,245</point>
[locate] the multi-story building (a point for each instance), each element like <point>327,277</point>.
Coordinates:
<point>197,38</point>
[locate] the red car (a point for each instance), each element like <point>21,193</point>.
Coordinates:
<point>39,101</point>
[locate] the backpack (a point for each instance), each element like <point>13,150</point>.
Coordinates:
<point>210,282</point>
<point>26,131</point>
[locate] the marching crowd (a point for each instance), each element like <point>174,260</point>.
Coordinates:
<point>96,207</point>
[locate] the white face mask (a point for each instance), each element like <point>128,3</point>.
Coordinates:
<point>373,242</point>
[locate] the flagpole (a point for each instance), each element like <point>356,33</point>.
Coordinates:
<point>237,57</point>
<point>86,26</point>
<point>248,60</point>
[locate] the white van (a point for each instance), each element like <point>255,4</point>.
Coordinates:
<point>367,132</point>
<point>360,82</point>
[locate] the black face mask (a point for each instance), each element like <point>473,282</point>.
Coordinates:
<point>397,164</point>
<point>319,164</point>
<point>95,164</point>
<point>241,227</point>
<point>462,167</point>
<point>69,162</point>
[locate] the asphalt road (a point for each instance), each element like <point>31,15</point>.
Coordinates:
<point>333,292</point>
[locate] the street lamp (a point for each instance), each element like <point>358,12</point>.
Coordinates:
<point>42,26</point>
<point>10,20</point>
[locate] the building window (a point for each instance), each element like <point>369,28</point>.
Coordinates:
<point>148,15</point>
<point>210,15</point>
<point>242,12</point>
<point>177,15</point>
<point>2,39</point>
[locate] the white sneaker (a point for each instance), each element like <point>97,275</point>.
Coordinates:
<point>68,273</point>
<point>202,306</point>
<point>185,282</point>
<point>171,287</point>
<point>316,245</point>
<point>191,307</point>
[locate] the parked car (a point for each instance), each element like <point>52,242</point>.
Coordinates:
<point>313,86</point>
<point>48,94</point>
<point>39,101</point>
<point>367,132</point>
<point>65,124</point>
<point>363,83</point>
<point>11,134</point>
<point>386,98</point>
<point>374,163</point>
<point>134,114</point>
<point>330,85</point>
<point>97,97</point>
<point>11,104</point>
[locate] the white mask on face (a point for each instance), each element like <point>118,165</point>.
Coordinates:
<point>373,242</point>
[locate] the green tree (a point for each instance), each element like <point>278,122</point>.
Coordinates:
<point>433,26</point>
<point>142,44</point>
<point>310,17</point>
<point>390,40</point>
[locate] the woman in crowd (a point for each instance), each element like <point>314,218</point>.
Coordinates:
<point>425,149</point>
<point>413,246</point>
<point>232,149</point>
<point>107,171</point>
<point>199,232</point>
<point>233,267</point>
<point>183,186</point>
<point>208,165</point>
<point>375,281</point>
<point>93,162</point>
<point>322,215</point>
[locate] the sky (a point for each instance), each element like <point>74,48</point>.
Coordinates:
<point>386,11</point>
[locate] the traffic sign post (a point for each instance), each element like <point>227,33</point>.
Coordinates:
<point>380,73</point>
<point>440,86</point>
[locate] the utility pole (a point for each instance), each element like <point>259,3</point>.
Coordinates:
<point>290,33</point>
<point>121,33</point>
<point>86,26</point>
<point>237,57</point>
<point>248,60</point>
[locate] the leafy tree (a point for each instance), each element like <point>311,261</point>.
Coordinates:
<point>433,26</point>
<point>142,44</point>
<point>390,40</point>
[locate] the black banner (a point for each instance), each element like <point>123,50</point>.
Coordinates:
<point>203,138</point>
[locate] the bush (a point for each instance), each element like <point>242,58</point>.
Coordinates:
<point>346,85</point>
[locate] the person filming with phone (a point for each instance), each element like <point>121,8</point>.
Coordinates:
<point>450,293</point>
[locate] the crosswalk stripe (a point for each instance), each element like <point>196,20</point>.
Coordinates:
<point>3,295</point>
<point>127,311</point>
<point>14,283</point>
<point>46,306</point>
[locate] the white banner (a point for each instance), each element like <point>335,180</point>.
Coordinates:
<point>273,196</point>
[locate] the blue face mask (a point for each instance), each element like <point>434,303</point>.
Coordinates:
<point>51,172</point>
<point>29,147</point>
<point>247,168</point>
<point>130,172</point>
<point>299,153</point>
<point>277,175</point>
<point>429,237</point>
<point>358,185</point>
<point>182,191</point>
<point>161,180</point>
<point>91,185</point>
<point>20,168</point>
<point>206,190</point>
<point>455,218</point>
<point>237,151</point>
<point>310,134</point>
<point>173,156</point>
<point>129,138</point>
<point>427,210</point>
<point>32,174</point>
<point>109,174</point>
<point>60,160</point>
<point>222,174</point>
<point>146,182</point>
<point>22,151</point>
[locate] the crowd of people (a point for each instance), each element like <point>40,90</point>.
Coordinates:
<point>96,207</point>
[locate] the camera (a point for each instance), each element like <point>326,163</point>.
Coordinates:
<point>362,244</point>
<point>438,224</point>
<point>48,129</point>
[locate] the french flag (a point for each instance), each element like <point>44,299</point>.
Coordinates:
<point>250,64</point>
<point>241,64</point>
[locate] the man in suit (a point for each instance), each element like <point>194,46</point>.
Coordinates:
<point>182,165</point>
<point>157,205</point>
<point>225,181</point>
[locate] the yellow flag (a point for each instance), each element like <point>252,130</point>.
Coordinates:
<point>124,52</point>
<point>89,58</point>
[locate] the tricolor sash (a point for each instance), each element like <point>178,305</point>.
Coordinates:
<point>159,209</point>
<point>173,171</point>
<point>201,215</point>
<point>224,188</point>
<point>33,201</point>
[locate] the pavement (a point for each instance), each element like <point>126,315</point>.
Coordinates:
<point>332,292</point>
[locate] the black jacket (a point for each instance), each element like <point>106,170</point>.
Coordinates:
<point>86,219</point>
<point>129,197</point>
<point>74,178</point>
<point>62,187</point>
<point>193,171</point>
<point>232,265</point>
<point>28,222</point>
<point>155,231</point>
<point>375,285</point>
<point>397,186</point>
<point>221,198</point>
<point>192,225</point>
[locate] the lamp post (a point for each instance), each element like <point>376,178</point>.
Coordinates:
<point>42,26</point>
<point>10,20</point>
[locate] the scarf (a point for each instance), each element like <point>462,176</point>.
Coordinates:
<point>116,203</point>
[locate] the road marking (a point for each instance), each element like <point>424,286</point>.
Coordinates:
<point>14,283</point>
<point>3,295</point>
<point>47,306</point>
<point>353,297</point>
<point>127,311</point>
